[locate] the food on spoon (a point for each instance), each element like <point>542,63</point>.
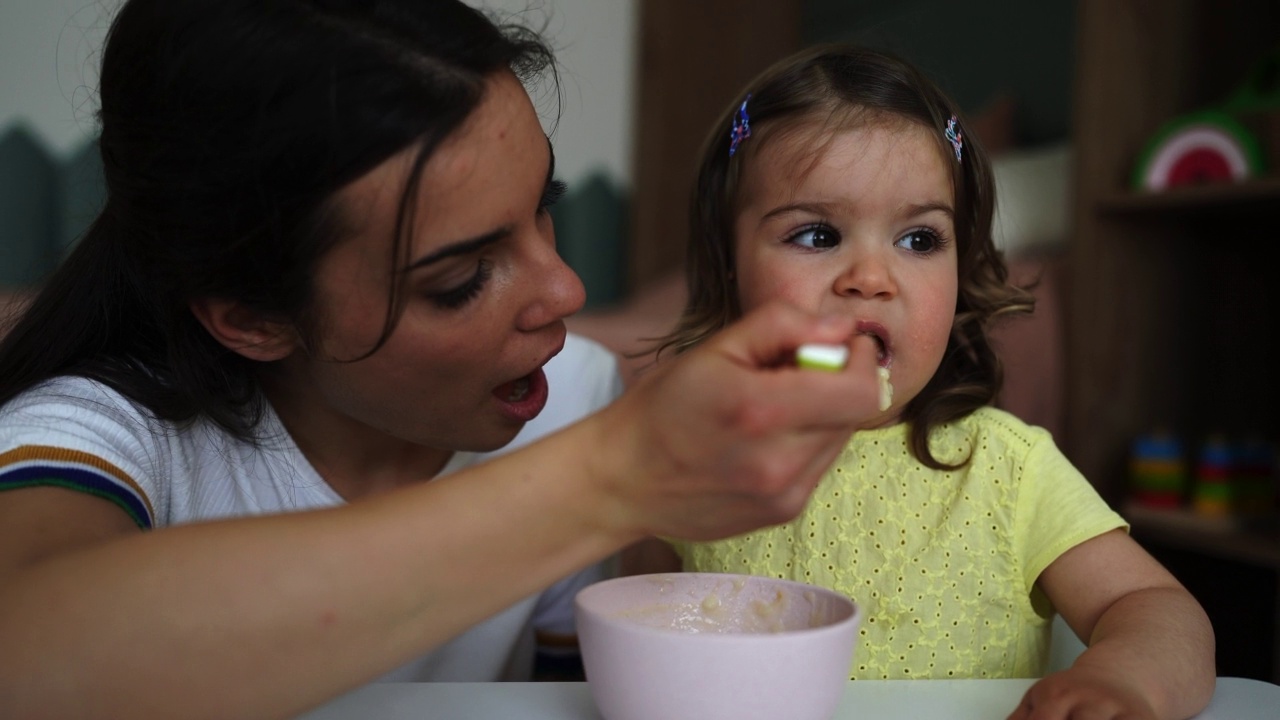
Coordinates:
<point>818,356</point>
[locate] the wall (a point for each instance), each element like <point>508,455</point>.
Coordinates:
<point>47,123</point>
<point>977,51</point>
<point>51,54</point>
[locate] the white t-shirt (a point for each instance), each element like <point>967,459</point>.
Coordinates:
<point>77,433</point>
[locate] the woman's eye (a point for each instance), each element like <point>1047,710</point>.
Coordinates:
<point>455,298</point>
<point>922,241</point>
<point>818,237</point>
<point>551,194</point>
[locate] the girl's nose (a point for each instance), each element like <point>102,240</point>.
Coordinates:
<point>556,292</point>
<point>868,276</point>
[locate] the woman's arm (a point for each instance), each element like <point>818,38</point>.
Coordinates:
<point>267,617</point>
<point>1151,647</point>
<point>650,555</point>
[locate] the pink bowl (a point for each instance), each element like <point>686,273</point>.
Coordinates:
<point>707,646</point>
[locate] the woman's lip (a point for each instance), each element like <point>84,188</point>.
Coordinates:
<point>531,404</point>
<point>535,397</point>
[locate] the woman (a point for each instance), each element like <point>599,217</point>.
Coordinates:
<point>324,275</point>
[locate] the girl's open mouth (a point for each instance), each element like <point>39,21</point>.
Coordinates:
<point>877,332</point>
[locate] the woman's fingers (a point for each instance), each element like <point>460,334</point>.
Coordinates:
<point>768,337</point>
<point>732,435</point>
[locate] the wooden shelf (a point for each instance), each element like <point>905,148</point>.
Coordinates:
<point>1171,294</point>
<point>1259,192</point>
<point>1250,541</point>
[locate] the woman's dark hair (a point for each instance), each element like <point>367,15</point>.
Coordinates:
<point>843,86</point>
<point>227,128</point>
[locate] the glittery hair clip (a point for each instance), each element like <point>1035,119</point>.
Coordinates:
<point>955,136</point>
<point>741,127</point>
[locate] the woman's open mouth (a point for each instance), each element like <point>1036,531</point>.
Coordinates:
<point>516,390</point>
<point>523,398</point>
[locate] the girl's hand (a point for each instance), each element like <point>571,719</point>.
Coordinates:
<point>732,436</point>
<point>1078,693</point>
<point>1151,647</point>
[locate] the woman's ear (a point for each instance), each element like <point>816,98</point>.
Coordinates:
<point>244,331</point>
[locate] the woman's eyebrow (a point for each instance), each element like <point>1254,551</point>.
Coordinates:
<point>462,247</point>
<point>470,245</point>
<point>551,163</point>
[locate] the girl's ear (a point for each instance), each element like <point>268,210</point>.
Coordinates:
<point>244,331</point>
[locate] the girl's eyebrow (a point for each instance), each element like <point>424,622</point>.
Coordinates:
<point>470,245</point>
<point>815,208</point>
<point>822,208</point>
<point>913,210</point>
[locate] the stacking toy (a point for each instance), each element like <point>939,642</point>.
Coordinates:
<point>1157,471</point>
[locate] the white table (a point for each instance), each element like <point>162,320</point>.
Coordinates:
<point>1235,699</point>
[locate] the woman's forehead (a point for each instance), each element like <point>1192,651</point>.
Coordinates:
<point>499,143</point>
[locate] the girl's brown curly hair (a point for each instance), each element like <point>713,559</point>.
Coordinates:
<point>842,86</point>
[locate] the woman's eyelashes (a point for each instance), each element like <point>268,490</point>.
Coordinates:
<point>455,298</point>
<point>551,194</point>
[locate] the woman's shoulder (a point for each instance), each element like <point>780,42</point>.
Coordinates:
<point>584,372</point>
<point>72,394</point>
<point>80,413</point>
<point>582,354</point>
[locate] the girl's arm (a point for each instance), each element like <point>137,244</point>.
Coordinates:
<point>267,617</point>
<point>1151,647</point>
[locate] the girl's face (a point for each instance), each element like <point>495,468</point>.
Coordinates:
<point>859,224</point>
<point>486,296</point>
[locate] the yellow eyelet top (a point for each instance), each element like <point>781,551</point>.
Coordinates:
<point>943,564</point>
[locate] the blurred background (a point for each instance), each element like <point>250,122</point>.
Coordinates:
<point>632,108</point>
<point>1149,356</point>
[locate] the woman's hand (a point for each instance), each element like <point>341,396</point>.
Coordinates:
<point>732,436</point>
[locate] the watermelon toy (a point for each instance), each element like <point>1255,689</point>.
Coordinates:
<point>1226,143</point>
<point>1205,147</point>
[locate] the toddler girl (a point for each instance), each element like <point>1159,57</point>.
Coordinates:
<point>842,181</point>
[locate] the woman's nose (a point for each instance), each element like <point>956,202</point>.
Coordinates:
<point>867,275</point>
<point>556,292</point>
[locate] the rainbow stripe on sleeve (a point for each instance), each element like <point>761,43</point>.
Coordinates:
<point>42,465</point>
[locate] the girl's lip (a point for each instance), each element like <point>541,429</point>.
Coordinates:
<point>881,334</point>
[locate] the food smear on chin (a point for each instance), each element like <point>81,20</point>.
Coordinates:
<point>886,388</point>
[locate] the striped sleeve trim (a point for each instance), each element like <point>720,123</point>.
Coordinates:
<point>42,465</point>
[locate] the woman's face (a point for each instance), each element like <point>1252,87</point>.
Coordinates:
<point>485,293</point>
<point>857,223</point>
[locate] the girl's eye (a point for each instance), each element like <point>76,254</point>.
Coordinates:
<point>817,237</point>
<point>455,298</point>
<point>551,194</point>
<point>921,241</point>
